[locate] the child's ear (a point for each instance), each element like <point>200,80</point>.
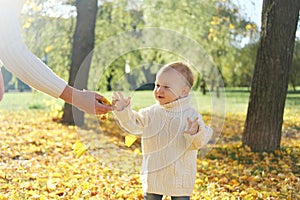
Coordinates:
<point>186,91</point>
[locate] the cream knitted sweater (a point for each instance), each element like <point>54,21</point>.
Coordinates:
<point>18,59</point>
<point>169,155</point>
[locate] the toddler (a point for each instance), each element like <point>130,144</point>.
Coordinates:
<point>172,132</point>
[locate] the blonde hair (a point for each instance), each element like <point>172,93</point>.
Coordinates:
<point>182,68</point>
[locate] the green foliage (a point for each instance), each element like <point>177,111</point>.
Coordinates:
<point>241,73</point>
<point>217,26</point>
<point>50,38</point>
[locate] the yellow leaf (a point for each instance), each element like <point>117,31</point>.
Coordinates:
<point>36,7</point>
<point>248,27</point>
<point>32,194</point>
<point>2,196</point>
<point>137,151</point>
<point>104,101</point>
<point>48,49</point>
<point>204,163</point>
<point>5,186</point>
<point>129,140</point>
<point>51,185</point>
<point>79,149</point>
<point>42,197</point>
<point>85,186</point>
<point>213,23</point>
<point>231,26</point>
<point>26,25</point>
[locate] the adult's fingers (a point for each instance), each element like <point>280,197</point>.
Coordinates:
<point>101,108</point>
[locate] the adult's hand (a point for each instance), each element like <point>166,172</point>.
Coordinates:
<point>85,100</point>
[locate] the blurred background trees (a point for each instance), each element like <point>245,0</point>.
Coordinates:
<point>218,26</point>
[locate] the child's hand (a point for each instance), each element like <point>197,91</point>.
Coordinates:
<point>193,126</point>
<point>119,102</point>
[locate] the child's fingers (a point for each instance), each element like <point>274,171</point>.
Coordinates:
<point>189,122</point>
<point>195,123</point>
<point>121,97</point>
<point>195,120</point>
<point>128,100</point>
<point>115,96</point>
<point>193,126</point>
<point>118,96</point>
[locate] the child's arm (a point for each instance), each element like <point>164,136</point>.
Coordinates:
<point>130,120</point>
<point>1,85</point>
<point>198,134</point>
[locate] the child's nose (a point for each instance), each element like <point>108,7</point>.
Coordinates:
<point>160,89</point>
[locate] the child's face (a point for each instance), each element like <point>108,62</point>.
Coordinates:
<point>169,86</point>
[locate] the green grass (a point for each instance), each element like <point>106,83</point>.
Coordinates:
<point>28,101</point>
<point>236,100</point>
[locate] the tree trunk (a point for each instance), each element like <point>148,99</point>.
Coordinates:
<point>83,44</point>
<point>264,119</point>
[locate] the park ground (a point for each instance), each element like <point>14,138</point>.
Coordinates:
<point>37,160</point>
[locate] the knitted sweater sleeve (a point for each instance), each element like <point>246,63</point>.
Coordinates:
<point>132,121</point>
<point>19,60</point>
<point>199,139</point>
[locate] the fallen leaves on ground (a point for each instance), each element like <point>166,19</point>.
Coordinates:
<point>79,148</point>
<point>37,162</point>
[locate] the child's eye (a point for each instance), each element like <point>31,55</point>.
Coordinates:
<point>164,86</point>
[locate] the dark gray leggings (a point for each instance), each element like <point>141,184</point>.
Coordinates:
<point>149,196</point>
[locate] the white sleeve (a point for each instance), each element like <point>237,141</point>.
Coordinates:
<point>130,120</point>
<point>20,61</point>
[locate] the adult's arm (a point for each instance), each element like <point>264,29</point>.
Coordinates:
<point>20,61</point>
<point>17,58</point>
